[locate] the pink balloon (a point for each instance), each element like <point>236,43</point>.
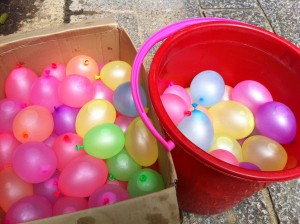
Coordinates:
<point>174,106</point>
<point>34,123</point>
<point>48,188</point>
<point>18,84</point>
<point>75,91</point>
<point>44,92</point>
<point>108,194</point>
<point>34,162</point>
<point>181,92</point>
<point>225,156</point>
<point>8,144</point>
<point>64,119</point>
<point>82,176</point>
<point>67,205</point>
<point>8,110</point>
<point>101,91</point>
<point>251,93</point>
<point>55,70</point>
<point>28,209</point>
<point>123,122</point>
<point>65,149</point>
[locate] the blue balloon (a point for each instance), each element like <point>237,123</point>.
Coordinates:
<point>198,128</point>
<point>207,88</point>
<point>123,100</point>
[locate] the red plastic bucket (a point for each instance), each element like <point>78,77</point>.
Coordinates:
<point>238,51</point>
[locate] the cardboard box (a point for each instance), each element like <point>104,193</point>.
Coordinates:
<point>104,41</point>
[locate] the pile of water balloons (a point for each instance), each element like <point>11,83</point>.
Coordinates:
<point>71,139</point>
<point>241,125</point>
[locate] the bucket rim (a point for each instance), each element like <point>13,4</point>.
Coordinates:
<point>179,139</point>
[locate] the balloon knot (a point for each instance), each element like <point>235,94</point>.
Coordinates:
<point>171,84</point>
<point>53,65</point>
<point>6,166</point>
<point>19,65</point>
<point>111,177</point>
<point>67,138</point>
<point>97,77</point>
<point>194,105</point>
<point>78,147</point>
<point>105,201</point>
<point>47,72</point>
<point>57,193</point>
<point>187,113</point>
<point>86,62</point>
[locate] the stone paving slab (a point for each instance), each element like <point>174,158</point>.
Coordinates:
<point>226,4</point>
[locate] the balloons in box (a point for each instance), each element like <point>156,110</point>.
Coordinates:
<point>44,92</point>
<point>48,188</point>
<point>28,209</point>
<point>18,84</point>
<point>34,162</point>
<point>122,166</point>
<point>8,110</point>
<point>123,122</point>
<point>207,88</point>
<point>101,91</point>
<point>277,121</point>
<point>56,70</point>
<point>123,100</point>
<point>82,65</point>
<point>145,181</point>
<point>64,119</point>
<point>115,73</point>
<point>140,144</point>
<point>75,90</point>
<point>106,195</point>
<point>82,176</point>
<point>8,144</point>
<point>104,141</point>
<point>93,113</point>
<point>12,188</point>
<point>33,123</point>
<point>64,148</point>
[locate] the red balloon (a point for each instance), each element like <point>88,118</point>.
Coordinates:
<point>8,144</point>
<point>82,176</point>
<point>65,149</point>
<point>12,188</point>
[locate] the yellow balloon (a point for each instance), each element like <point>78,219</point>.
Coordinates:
<point>140,144</point>
<point>93,113</point>
<point>231,118</point>
<point>229,144</point>
<point>264,152</point>
<point>115,73</point>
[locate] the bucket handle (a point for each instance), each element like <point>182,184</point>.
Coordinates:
<point>138,61</point>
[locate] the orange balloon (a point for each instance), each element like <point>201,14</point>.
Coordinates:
<point>33,123</point>
<point>12,188</point>
<point>140,144</point>
<point>83,65</point>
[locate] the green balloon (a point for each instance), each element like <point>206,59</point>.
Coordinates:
<point>104,141</point>
<point>145,181</point>
<point>122,166</point>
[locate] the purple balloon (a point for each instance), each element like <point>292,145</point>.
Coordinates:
<point>48,188</point>
<point>8,110</point>
<point>107,194</point>
<point>28,209</point>
<point>34,162</point>
<point>249,166</point>
<point>276,121</point>
<point>64,119</point>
